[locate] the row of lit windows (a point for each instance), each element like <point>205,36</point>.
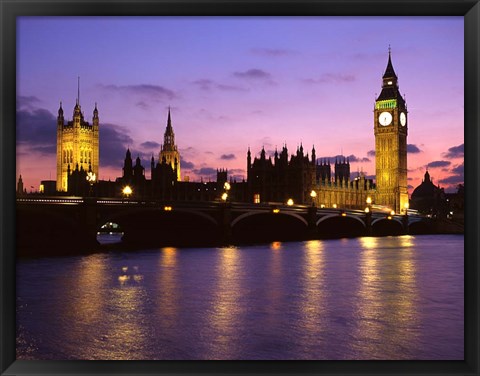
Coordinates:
<point>390,103</point>
<point>85,156</point>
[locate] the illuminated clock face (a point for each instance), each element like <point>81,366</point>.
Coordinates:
<point>385,118</point>
<point>403,119</point>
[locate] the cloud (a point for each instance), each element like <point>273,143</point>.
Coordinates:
<point>45,150</point>
<point>27,102</point>
<point>185,164</point>
<point>351,158</point>
<point>371,153</point>
<point>114,141</point>
<point>37,130</point>
<point>457,177</point>
<point>142,105</point>
<point>206,173</point>
<point>208,85</point>
<point>328,78</point>
<point>455,152</point>
<point>150,145</point>
<point>272,52</point>
<point>413,149</point>
<point>253,74</point>
<point>452,180</point>
<point>155,92</point>
<point>354,158</point>
<point>436,164</point>
<point>227,157</point>
<point>459,169</point>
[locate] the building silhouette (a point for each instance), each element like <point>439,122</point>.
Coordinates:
<point>295,177</point>
<point>428,198</point>
<point>77,144</point>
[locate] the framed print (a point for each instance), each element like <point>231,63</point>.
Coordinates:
<point>186,182</point>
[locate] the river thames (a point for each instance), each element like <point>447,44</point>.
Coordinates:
<point>364,298</point>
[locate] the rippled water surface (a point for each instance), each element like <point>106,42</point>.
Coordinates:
<point>366,298</point>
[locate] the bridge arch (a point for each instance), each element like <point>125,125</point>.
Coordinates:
<point>112,217</point>
<point>327,217</point>
<point>419,227</point>
<point>385,226</point>
<point>159,227</point>
<point>338,226</point>
<point>249,214</point>
<point>260,226</point>
<point>45,232</point>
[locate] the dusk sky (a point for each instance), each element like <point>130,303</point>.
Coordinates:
<point>239,82</point>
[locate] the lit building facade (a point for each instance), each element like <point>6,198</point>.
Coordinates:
<point>390,129</point>
<point>77,145</point>
<point>169,152</point>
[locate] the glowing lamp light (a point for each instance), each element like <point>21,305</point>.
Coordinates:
<point>344,214</point>
<point>167,208</point>
<point>322,206</point>
<point>389,217</point>
<point>392,212</point>
<point>127,191</point>
<point>276,211</point>
<point>334,206</point>
<point>369,200</point>
<point>289,202</point>
<point>91,177</point>
<point>227,186</point>
<point>313,194</point>
<point>367,210</point>
<point>225,196</point>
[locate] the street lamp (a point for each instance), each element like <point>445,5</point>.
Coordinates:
<point>289,202</point>
<point>369,200</point>
<point>224,196</point>
<point>127,191</point>
<point>313,194</point>
<point>226,186</point>
<point>91,178</point>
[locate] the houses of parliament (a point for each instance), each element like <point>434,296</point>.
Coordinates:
<point>299,176</point>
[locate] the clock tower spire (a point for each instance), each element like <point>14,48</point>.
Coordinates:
<point>390,129</point>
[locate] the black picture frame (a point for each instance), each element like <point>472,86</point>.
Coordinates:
<point>10,9</point>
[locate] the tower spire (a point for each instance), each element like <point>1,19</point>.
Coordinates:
<point>389,71</point>
<point>169,120</point>
<point>78,90</point>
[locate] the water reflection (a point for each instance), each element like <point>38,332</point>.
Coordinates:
<point>367,298</point>
<point>227,306</point>
<point>313,305</point>
<point>86,304</point>
<point>167,301</point>
<point>386,315</point>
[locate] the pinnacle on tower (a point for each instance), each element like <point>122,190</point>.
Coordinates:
<point>389,71</point>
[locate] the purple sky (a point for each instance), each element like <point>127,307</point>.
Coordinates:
<point>235,82</point>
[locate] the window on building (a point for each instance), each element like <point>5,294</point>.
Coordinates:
<point>256,198</point>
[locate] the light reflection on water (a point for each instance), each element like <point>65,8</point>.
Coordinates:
<point>366,298</point>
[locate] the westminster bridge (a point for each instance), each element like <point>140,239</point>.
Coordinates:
<point>61,225</point>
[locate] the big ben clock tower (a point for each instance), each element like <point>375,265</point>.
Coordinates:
<point>391,125</point>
